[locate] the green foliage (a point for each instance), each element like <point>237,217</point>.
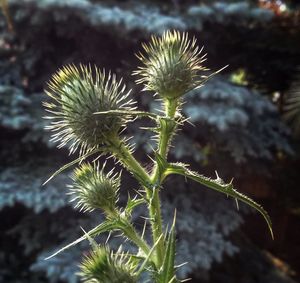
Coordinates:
<point>82,98</point>
<point>167,274</point>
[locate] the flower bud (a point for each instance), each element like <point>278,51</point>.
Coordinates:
<point>93,189</point>
<point>103,266</point>
<point>171,65</point>
<point>77,93</point>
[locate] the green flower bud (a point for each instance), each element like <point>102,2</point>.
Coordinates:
<point>171,65</point>
<point>77,93</point>
<point>94,189</point>
<point>103,266</point>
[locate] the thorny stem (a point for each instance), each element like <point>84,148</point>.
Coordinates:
<point>128,230</point>
<point>154,207</point>
<point>132,234</point>
<point>153,183</point>
<point>166,133</point>
<point>123,154</point>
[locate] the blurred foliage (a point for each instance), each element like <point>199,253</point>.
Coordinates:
<point>5,11</point>
<point>239,77</point>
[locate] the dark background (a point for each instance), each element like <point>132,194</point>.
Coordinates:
<point>243,129</point>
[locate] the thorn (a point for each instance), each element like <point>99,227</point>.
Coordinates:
<point>50,178</point>
<point>181,264</point>
<point>217,175</point>
<point>144,228</point>
<point>237,204</point>
<point>150,158</point>
<point>174,219</point>
<point>108,237</point>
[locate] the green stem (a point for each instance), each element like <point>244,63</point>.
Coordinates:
<point>153,183</point>
<point>156,223</point>
<point>122,152</point>
<point>155,207</point>
<point>165,134</point>
<point>132,234</point>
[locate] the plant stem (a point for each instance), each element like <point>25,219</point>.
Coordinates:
<point>151,184</point>
<point>122,152</point>
<point>130,163</point>
<point>132,234</point>
<point>156,222</point>
<point>165,134</point>
<point>155,208</point>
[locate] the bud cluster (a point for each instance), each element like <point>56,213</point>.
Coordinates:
<point>94,189</point>
<point>104,266</point>
<point>77,93</point>
<point>171,65</point>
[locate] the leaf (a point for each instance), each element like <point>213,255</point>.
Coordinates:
<point>148,258</point>
<point>168,267</point>
<point>101,228</point>
<point>66,166</point>
<point>219,185</point>
<point>128,113</point>
<point>132,203</point>
<point>161,163</point>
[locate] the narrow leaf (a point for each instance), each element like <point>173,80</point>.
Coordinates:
<point>148,258</point>
<point>128,113</point>
<point>168,267</point>
<point>63,168</point>
<point>103,227</point>
<point>132,203</point>
<point>219,185</point>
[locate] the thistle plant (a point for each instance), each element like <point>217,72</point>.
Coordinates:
<point>89,111</point>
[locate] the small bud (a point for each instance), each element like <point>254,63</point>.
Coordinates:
<point>77,93</point>
<point>93,189</point>
<point>103,266</point>
<point>171,65</point>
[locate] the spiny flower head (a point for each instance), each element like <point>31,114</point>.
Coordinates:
<point>104,266</point>
<point>171,65</point>
<point>77,93</point>
<point>94,189</point>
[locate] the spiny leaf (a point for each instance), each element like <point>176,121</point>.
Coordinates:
<point>128,112</point>
<point>168,267</point>
<point>103,227</point>
<point>220,186</point>
<point>63,168</point>
<point>148,258</point>
<point>161,163</point>
<point>132,203</point>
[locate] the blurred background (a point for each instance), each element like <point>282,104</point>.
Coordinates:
<point>247,126</point>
